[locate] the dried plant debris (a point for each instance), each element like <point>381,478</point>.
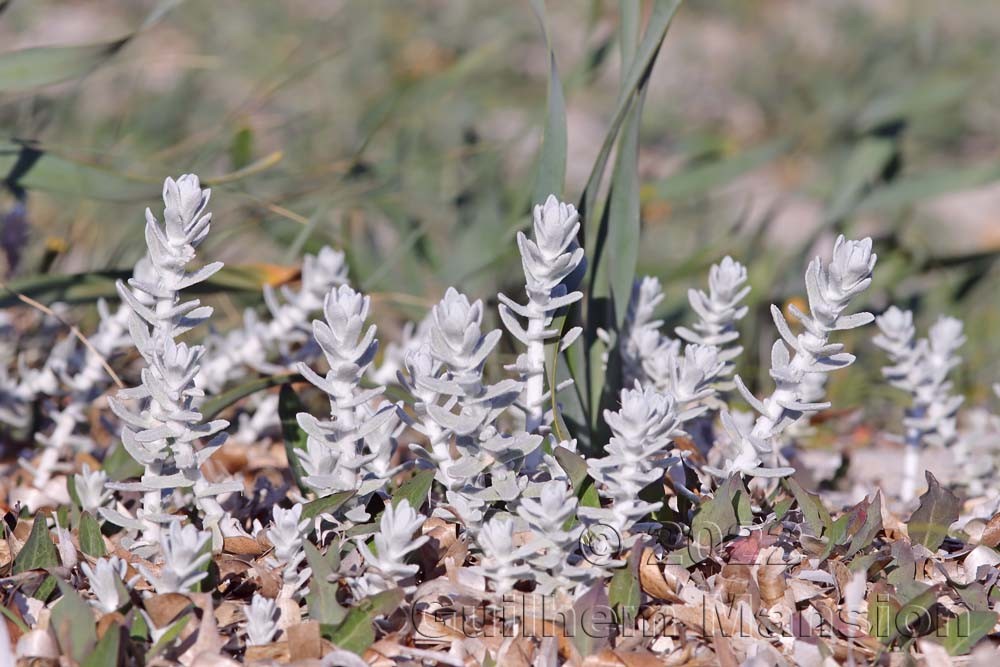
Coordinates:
<point>420,504</point>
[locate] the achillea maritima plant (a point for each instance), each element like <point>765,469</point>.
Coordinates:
<point>162,424</point>
<point>471,484</point>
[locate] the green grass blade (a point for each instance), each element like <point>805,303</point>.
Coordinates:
<point>30,68</point>
<point>552,160</point>
<point>656,31</point>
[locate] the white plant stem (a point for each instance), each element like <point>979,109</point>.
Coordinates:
<point>911,465</point>
<point>534,384</point>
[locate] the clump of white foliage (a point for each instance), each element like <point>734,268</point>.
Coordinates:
<point>691,374</point>
<point>921,368</point>
<point>549,259</point>
<point>386,566</point>
<point>162,423</point>
<point>338,451</point>
<point>108,583</point>
<point>505,487</point>
<point>185,553</point>
<point>288,535</point>
<point>719,311</point>
<point>262,620</point>
<point>636,456</point>
<point>830,288</point>
<point>256,343</point>
<point>502,563</point>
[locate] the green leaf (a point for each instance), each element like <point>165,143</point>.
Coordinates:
<point>89,287</point>
<point>43,65</point>
<point>169,636</point>
<point>623,205</point>
<point>326,504</point>
<point>73,623</point>
<point>356,633</point>
<point>322,596</point>
<point>816,515</point>
<point>704,177</point>
<point>289,405</point>
<point>962,632</point>
<point>108,649</point>
<point>588,495</point>
<point>213,406</point>
<point>74,497</point>
<point>552,159</point>
<point>835,534</point>
<point>574,465</point>
<point>323,566</point>
<point>781,508</point>
<point>744,508</point>
<point>576,469</point>
<point>588,633</point>
<point>656,29</point>
<point>38,552</point>
<point>601,233</point>
<point>903,563</point>
<point>138,629</point>
<point>912,615</point>
<point>931,95</point>
<point>715,519</point>
<point>415,490</point>
<point>91,540</point>
<point>861,171</point>
<point>624,592</point>
<point>869,528</point>
<point>623,212</point>
<point>929,523</point>
<point>914,188</point>
<point>14,618</point>
<point>119,464</point>
<point>40,66</point>
<point>862,522</point>
<point>241,148</point>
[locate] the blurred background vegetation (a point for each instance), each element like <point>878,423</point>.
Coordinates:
<point>408,134</point>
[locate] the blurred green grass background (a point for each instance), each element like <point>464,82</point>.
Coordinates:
<point>407,133</point>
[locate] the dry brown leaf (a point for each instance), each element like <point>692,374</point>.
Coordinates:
<point>166,607</point>
<point>6,558</point>
<point>724,651</point>
<point>609,657</point>
<point>746,549</point>
<point>209,640</point>
<point>382,652</point>
<point>268,579</point>
<point>108,621</point>
<point>228,613</point>
<point>991,534</point>
<point>734,581</point>
<point>213,660</point>
<point>709,615</point>
<point>304,641</point>
<point>232,457</point>
<point>841,574</point>
<point>662,583</point>
<point>232,566</point>
<point>771,575</point>
<point>803,590</point>
<point>935,655</point>
<point>21,532</point>
<point>278,651</point>
<point>242,546</point>
<point>517,651</point>
<point>291,613</point>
